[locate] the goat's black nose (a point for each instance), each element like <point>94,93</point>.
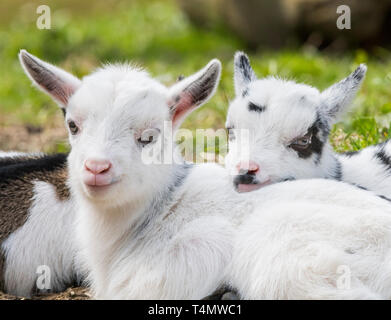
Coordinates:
<point>247,178</point>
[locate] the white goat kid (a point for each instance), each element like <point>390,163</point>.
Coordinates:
<point>171,231</point>
<point>289,126</point>
<point>108,116</point>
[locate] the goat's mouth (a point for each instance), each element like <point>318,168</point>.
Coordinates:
<point>97,193</point>
<point>97,186</point>
<point>248,183</point>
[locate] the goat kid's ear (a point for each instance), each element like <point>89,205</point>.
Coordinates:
<point>243,73</point>
<point>55,82</point>
<point>192,92</point>
<point>337,98</point>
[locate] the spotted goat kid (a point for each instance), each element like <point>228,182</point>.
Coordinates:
<point>289,125</point>
<point>36,219</point>
<point>149,229</point>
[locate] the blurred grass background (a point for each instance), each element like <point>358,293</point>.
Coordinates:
<point>157,35</point>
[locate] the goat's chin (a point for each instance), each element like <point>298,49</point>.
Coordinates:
<point>116,194</point>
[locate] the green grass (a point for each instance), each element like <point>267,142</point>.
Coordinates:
<point>158,36</point>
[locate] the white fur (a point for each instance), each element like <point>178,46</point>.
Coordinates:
<point>167,232</point>
<point>13,154</point>
<point>365,169</point>
<point>299,249</point>
<point>46,238</point>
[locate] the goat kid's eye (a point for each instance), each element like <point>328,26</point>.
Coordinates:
<point>148,136</point>
<point>73,128</point>
<point>301,143</point>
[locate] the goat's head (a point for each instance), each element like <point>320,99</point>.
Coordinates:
<point>116,117</point>
<point>287,126</point>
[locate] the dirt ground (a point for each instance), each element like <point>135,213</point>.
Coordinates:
<point>69,294</point>
<point>28,138</point>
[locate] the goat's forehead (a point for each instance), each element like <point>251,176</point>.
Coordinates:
<point>286,108</point>
<point>281,92</point>
<point>293,121</point>
<point>101,97</point>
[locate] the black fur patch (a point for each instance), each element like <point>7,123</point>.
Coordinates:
<point>245,68</point>
<point>384,158</point>
<point>358,74</point>
<point>337,171</point>
<point>254,107</point>
<point>246,178</point>
<point>221,292</point>
<point>245,93</point>
<point>384,198</point>
<point>316,131</point>
<point>16,167</point>
<point>323,126</point>
<point>360,187</point>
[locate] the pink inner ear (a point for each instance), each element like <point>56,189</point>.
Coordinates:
<point>62,92</point>
<point>69,91</point>
<point>183,106</point>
